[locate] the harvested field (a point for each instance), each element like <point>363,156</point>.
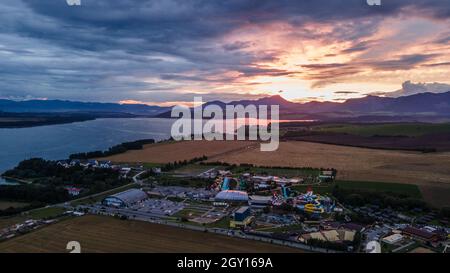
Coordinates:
<point>430,171</point>
<point>107,234</point>
<point>176,151</point>
<point>431,142</point>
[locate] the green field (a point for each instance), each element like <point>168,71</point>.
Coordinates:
<point>49,212</point>
<point>189,213</point>
<point>99,196</point>
<point>222,223</point>
<point>149,165</point>
<point>392,129</point>
<point>192,169</point>
<point>7,204</point>
<point>406,189</point>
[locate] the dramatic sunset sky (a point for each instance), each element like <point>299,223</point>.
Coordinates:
<point>165,51</point>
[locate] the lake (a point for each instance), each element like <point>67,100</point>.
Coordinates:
<point>59,141</point>
<point>55,142</point>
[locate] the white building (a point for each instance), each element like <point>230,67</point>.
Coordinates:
<point>393,239</point>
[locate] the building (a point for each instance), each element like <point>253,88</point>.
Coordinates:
<point>125,198</point>
<point>241,213</point>
<point>262,179</point>
<point>125,170</point>
<point>260,201</point>
<point>73,191</point>
<point>242,217</point>
<point>327,175</point>
<point>333,235</point>
<point>284,181</point>
<point>92,163</point>
<point>63,163</point>
<point>420,234</point>
<point>104,164</point>
<point>232,196</point>
<point>354,227</point>
<point>393,239</point>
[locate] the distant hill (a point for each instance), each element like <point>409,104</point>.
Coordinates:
<point>58,106</point>
<point>424,104</point>
<point>401,108</point>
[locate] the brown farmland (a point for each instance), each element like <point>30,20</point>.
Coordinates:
<point>107,234</point>
<point>184,150</point>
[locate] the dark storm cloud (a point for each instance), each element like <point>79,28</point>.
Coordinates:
<point>103,49</point>
<point>403,62</point>
<point>345,92</point>
<point>358,47</point>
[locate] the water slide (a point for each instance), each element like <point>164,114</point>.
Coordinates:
<point>226,184</point>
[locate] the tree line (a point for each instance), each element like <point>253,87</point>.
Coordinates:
<point>117,149</point>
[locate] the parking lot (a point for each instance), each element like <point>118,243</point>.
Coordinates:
<point>160,207</point>
<point>183,192</point>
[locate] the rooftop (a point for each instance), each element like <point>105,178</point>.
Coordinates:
<point>232,195</point>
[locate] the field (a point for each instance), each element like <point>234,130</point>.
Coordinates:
<point>107,234</point>
<point>49,212</point>
<point>7,204</point>
<point>393,129</point>
<point>429,171</point>
<point>176,151</point>
<point>424,137</point>
<point>32,214</point>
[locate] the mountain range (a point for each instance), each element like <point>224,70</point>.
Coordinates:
<point>58,106</point>
<point>418,105</point>
<point>423,104</point>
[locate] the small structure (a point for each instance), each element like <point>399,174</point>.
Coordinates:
<point>259,179</point>
<point>327,175</point>
<point>260,201</point>
<point>73,191</point>
<point>242,218</point>
<point>125,170</point>
<point>284,181</point>
<point>393,239</point>
<point>104,164</point>
<point>92,163</point>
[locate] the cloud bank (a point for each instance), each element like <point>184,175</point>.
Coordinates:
<point>170,50</point>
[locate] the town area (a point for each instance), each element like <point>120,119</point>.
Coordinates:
<point>302,208</point>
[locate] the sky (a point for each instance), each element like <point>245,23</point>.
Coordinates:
<point>167,51</point>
